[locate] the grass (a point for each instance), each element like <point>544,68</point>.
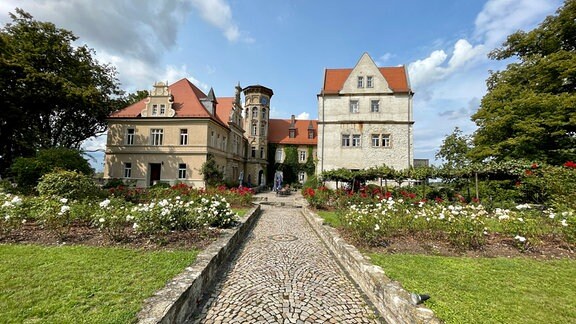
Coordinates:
<point>78,284</point>
<point>330,217</point>
<point>488,290</point>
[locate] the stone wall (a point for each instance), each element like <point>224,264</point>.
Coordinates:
<point>179,299</point>
<point>391,300</point>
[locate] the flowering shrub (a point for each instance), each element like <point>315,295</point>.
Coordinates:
<point>215,211</point>
<point>11,213</point>
<point>161,216</point>
<point>54,214</point>
<point>112,216</point>
<point>465,226</point>
<point>240,197</point>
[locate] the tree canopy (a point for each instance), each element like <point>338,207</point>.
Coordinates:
<point>529,111</point>
<point>53,92</point>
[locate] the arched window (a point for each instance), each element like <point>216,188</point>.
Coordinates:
<point>263,113</point>
<point>254,112</point>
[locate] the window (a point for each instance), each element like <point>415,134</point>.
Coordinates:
<point>369,82</point>
<point>127,170</point>
<point>253,151</point>
<point>212,139</point>
<point>263,130</point>
<point>130,136</point>
<point>156,135</point>
<point>345,140</point>
<point>154,110</point>
<point>354,106</point>
<point>380,140</point>
<point>386,140</point>
<point>254,113</point>
<point>263,113</point>
<point>224,143</point>
<point>184,136</point>
<point>292,133</point>
<point>302,156</point>
<point>279,155</point>
<point>360,82</point>
<point>261,152</point>
<point>356,140</point>
<point>254,129</point>
<point>182,171</point>
<point>301,176</point>
<point>375,139</point>
<point>374,105</point>
<point>310,134</point>
<point>162,109</point>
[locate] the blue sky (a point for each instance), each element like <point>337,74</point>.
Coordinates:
<point>286,45</point>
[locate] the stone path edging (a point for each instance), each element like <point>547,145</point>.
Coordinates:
<point>178,300</point>
<point>390,299</point>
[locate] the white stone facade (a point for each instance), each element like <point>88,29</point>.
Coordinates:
<point>362,108</point>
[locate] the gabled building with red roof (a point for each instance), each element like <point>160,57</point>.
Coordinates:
<point>365,120</point>
<point>365,117</point>
<point>168,136</point>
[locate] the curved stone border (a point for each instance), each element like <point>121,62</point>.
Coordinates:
<point>390,299</point>
<point>178,300</point>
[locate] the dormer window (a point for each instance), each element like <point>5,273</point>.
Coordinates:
<point>310,134</point>
<point>292,133</point>
<point>162,109</point>
<point>360,82</point>
<point>154,110</point>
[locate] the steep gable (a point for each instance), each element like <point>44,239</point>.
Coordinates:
<point>386,79</point>
<point>186,102</point>
<point>364,69</point>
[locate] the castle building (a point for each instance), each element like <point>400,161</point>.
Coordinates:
<point>365,119</point>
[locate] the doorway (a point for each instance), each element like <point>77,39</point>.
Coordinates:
<point>155,169</point>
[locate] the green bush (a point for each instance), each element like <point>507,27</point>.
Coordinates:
<point>67,184</point>
<point>113,183</point>
<point>28,171</point>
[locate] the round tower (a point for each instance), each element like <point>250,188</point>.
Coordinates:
<point>256,117</point>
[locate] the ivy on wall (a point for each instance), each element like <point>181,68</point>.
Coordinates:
<point>290,167</point>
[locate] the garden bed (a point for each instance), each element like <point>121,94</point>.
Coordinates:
<point>496,246</point>
<point>79,234</point>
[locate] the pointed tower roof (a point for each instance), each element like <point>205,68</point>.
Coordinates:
<point>211,96</point>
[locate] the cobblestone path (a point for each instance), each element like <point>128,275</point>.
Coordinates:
<point>285,274</point>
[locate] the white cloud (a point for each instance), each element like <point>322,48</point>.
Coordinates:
<point>219,14</point>
<point>434,67</point>
<point>303,115</point>
<point>136,29</point>
<point>499,18</point>
<point>384,58</point>
<point>493,24</point>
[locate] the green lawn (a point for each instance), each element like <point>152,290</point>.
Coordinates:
<point>489,290</point>
<point>77,284</point>
<point>330,218</point>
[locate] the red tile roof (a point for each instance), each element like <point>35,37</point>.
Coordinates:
<point>186,104</point>
<point>395,76</point>
<point>278,132</point>
<point>224,108</point>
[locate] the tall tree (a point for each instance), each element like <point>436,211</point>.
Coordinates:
<point>53,93</point>
<point>530,109</point>
<point>454,150</point>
